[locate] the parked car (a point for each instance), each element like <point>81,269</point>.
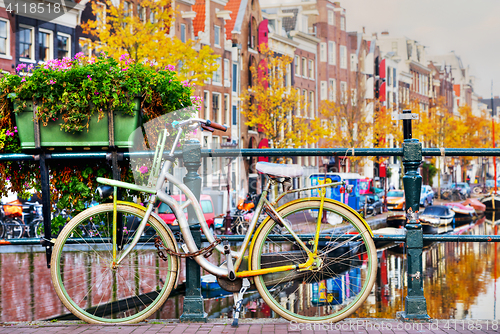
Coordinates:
<point>426,196</point>
<point>464,188</point>
<point>396,200</point>
<point>207,206</point>
<point>374,204</point>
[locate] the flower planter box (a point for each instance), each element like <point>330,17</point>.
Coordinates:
<point>97,135</point>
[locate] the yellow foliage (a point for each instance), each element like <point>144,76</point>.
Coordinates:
<point>146,38</point>
<point>269,104</point>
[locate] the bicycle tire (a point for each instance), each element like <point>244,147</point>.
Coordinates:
<point>134,290</point>
<point>316,296</point>
<point>2,229</point>
<point>14,228</point>
<point>38,228</point>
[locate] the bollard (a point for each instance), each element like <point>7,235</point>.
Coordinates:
<point>415,303</point>
<point>193,301</point>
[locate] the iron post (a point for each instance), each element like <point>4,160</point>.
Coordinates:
<point>193,301</point>
<point>415,303</point>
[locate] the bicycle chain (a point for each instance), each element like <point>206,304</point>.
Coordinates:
<point>206,251</point>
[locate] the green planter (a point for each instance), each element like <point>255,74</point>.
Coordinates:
<point>51,135</point>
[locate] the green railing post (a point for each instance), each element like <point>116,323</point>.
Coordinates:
<point>415,303</point>
<point>193,301</point>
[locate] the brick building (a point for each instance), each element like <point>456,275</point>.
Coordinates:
<point>7,41</point>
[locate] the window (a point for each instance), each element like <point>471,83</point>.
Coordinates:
<point>332,91</point>
<point>354,62</point>
<point>311,69</point>
<point>141,12</point>
<point>235,78</point>
<point>323,90</point>
<point>217,77</point>
<point>389,82</point>
<point>395,48</point>
<point>127,8</point>
<point>297,65</point>
<point>304,98</point>
<point>183,33</point>
<point>343,92</point>
<point>331,17</point>
<point>227,79</point>
<point>342,23</point>
<point>45,45</point>
<point>63,46</point>
<point>235,115</point>
<point>26,42</point>
<point>84,44</point>
<point>304,67</point>
<point>311,104</point>
<point>343,56</point>
<point>322,52</point>
<point>216,113</point>
<point>394,77</point>
<point>216,35</point>
<point>332,57</point>
<point>215,161</point>
<point>226,109</point>
<point>100,15</point>
<point>4,38</point>
<point>206,105</point>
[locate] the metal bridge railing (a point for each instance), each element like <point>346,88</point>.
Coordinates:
<point>411,153</point>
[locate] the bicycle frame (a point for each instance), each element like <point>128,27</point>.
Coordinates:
<point>184,226</point>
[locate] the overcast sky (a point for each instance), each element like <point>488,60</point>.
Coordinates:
<point>470,28</point>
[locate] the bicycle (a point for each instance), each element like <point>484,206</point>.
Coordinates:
<point>320,268</point>
<point>11,227</point>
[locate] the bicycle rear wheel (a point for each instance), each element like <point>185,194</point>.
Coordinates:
<point>95,290</point>
<point>13,228</point>
<point>343,272</point>
<point>2,229</point>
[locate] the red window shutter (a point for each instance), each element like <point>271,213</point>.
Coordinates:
<point>382,69</point>
<point>382,93</point>
<point>263,31</point>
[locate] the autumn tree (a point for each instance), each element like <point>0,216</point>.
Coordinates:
<point>143,34</point>
<point>271,104</point>
<point>346,120</point>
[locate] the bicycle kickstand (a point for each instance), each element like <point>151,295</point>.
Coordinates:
<point>238,301</point>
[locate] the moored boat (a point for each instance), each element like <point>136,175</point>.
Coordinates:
<point>476,204</point>
<point>396,219</point>
<point>464,214</point>
<point>492,201</point>
<point>437,219</point>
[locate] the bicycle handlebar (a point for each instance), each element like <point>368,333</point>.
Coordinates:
<point>216,126</point>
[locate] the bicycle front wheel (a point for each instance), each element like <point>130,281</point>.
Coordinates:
<point>96,290</point>
<point>13,228</point>
<point>343,271</point>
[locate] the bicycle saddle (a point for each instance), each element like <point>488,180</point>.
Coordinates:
<point>279,170</point>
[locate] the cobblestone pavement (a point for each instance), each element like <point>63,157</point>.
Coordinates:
<point>354,326</point>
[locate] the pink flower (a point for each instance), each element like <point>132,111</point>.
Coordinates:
<point>143,169</point>
<point>171,67</point>
<point>20,67</point>
<point>90,78</point>
<point>15,129</point>
<point>124,69</point>
<point>185,83</point>
<point>51,82</point>
<point>79,55</point>
<point>96,93</point>
<point>23,80</point>
<point>124,57</point>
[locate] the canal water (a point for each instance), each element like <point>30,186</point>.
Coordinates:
<point>461,281</point>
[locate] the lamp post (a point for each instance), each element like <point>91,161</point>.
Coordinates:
<point>485,162</point>
<point>228,220</point>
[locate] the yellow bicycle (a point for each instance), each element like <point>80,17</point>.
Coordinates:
<point>312,259</point>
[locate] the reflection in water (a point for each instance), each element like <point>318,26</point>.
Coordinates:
<point>459,283</point>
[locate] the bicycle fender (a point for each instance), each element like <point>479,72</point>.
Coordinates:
<point>256,233</point>
<point>167,228</point>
